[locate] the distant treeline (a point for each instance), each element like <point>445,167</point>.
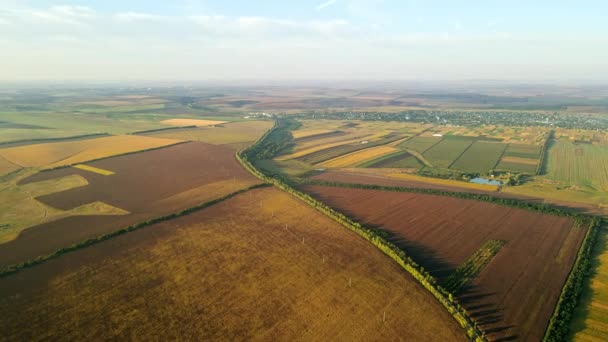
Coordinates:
<point>8,270</point>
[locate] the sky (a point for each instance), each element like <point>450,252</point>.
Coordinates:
<point>187,40</point>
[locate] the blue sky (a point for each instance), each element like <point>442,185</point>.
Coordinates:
<point>286,40</point>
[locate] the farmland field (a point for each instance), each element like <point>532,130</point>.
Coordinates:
<point>444,153</point>
<point>399,159</point>
<point>481,157</point>
<point>578,164</point>
<point>244,269</point>
<point>420,143</point>
<point>51,155</point>
<point>191,122</point>
<point>146,185</point>
<point>358,157</point>
<point>241,132</point>
<point>515,294</point>
<point>590,321</point>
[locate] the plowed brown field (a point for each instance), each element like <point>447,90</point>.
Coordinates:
<point>515,294</point>
<point>245,269</point>
<point>147,185</point>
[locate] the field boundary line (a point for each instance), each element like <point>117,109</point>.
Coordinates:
<point>501,156</point>
<point>12,269</point>
<point>461,154</point>
<point>541,167</point>
<point>388,248</point>
<point>161,130</point>
<point>25,142</point>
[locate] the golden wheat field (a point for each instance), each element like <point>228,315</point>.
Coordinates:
<point>57,154</point>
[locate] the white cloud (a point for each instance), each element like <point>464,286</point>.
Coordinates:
<point>325,5</point>
<point>137,16</point>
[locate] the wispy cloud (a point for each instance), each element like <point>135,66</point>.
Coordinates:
<point>324,5</point>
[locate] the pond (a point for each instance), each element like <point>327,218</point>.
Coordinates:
<point>479,180</point>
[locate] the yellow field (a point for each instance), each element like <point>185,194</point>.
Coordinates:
<point>94,169</point>
<point>19,208</point>
<point>261,266</point>
<point>358,157</point>
<point>306,133</point>
<point>242,132</point>
<point>447,182</point>
<point>7,167</point>
<point>590,321</point>
<point>56,154</point>
<point>191,122</point>
<point>519,160</point>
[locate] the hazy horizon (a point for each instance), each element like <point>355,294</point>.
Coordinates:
<point>273,41</point>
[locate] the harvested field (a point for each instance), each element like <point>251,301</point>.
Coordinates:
<point>399,159</point>
<point>300,136</point>
<point>481,157</point>
<point>147,185</point>
<point>390,177</point>
<point>444,153</point>
<point>242,132</point>
<point>51,155</point>
<point>514,295</point>
<point>191,122</point>
<point>358,157</point>
<point>337,151</point>
<point>244,269</point>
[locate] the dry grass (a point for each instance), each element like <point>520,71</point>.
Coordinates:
<point>7,167</point>
<point>57,154</point>
<point>245,269</point>
<point>191,122</point>
<point>358,157</point>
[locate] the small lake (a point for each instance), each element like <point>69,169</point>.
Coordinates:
<point>479,180</point>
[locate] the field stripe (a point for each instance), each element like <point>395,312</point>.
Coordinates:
<point>94,169</point>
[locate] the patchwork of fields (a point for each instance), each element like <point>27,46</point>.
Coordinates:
<point>52,155</point>
<point>146,185</point>
<point>242,269</point>
<point>513,296</point>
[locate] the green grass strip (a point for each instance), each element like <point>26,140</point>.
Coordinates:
<point>473,266</point>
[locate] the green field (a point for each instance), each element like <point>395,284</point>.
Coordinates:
<point>399,159</point>
<point>523,151</point>
<point>446,152</point>
<point>481,157</point>
<point>516,167</point>
<point>578,164</point>
<point>419,144</point>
